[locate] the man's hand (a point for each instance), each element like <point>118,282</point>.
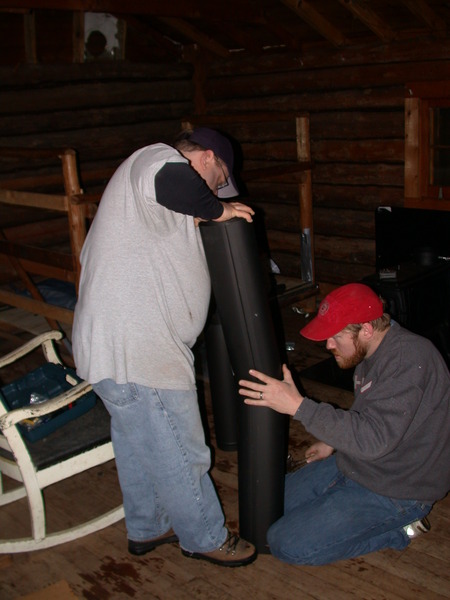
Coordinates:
<point>235,209</point>
<point>281,396</point>
<point>318,451</point>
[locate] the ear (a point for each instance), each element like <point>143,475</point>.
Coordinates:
<point>367,330</point>
<point>207,158</point>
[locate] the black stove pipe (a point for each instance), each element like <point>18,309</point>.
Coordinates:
<point>243,307</point>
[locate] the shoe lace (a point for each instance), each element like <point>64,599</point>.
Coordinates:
<point>424,525</point>
<point>230,544</point>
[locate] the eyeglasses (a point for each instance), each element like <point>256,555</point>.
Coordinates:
<point>222,185</point>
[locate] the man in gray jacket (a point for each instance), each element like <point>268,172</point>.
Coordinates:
<point>378,468</point>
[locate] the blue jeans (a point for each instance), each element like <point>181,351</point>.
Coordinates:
<point>328,517</point>
<point>163,463</point>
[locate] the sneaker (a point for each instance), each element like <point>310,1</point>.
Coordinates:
<point>141,548</point>
<point>235,552</point>
<point>417,528</point>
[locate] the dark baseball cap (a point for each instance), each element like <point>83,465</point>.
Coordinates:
<point>211,139</point>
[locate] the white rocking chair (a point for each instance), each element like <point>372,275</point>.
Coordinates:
<point>24,461</point>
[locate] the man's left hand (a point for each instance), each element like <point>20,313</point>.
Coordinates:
<point>282,396</point>
<point>236,209</point>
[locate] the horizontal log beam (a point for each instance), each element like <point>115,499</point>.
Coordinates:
<point>390,175</point>
<point>10,151</point>
<point>349,250</point>
<point>44,233</point>
<point>35,200</point>
<point>315,101</point>
<point>35,254</point>
<point>62,315</point>
<point>356,251</point>
<point>344,222</point>
<point>366,198</point>
<point>87,118</point>
<point>312,80</point>
<point>31,182</point>
<point>340,273</point>
<point>381,150</point>
<point>46,270</point>
<point>74,96</point>
<point>267,117</point>
<point>276,171</point>
<point>321,57</point>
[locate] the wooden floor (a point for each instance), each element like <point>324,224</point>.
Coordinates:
<point>98,566</point>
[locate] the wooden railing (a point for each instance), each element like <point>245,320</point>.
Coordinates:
<point>29,259</point>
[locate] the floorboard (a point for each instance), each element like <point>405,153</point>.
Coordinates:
<point>98,567</point>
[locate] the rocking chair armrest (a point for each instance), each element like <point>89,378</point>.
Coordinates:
<point>45,339</point>
<point>43,408</point>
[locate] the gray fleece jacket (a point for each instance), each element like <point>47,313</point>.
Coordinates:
<point>395,440</point>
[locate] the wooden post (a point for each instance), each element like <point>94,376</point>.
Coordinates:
<point>76,211</point>
<point>412,148</point>
<point>191,54</point>
<point>305,200</point>
<point>78,36</point>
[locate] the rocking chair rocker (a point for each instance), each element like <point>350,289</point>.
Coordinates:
<point>83,443</point>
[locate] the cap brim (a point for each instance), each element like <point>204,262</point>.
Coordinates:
<point>318,331</point>
<point>230,190</point>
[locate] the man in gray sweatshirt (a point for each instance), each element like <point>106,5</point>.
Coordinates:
<point>379,467</point>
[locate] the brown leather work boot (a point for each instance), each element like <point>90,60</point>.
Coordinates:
<point>235,552</point>
<point>141,548</point>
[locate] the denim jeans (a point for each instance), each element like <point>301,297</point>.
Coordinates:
<point>328,517</point>
<point>163,463</point>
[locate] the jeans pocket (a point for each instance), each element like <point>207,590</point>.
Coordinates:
<point>119,395</point>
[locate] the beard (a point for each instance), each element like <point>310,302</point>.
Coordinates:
<point>349,362</point>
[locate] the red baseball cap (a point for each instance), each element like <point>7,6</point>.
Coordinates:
<point>350,304</point>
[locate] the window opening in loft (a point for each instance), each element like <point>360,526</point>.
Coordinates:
<point>103,37</point>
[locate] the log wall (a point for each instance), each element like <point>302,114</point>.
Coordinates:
<point>356,104</point>
<point>105,111</point>
<point>355,99</point>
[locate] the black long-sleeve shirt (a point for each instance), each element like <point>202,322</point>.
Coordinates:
<point>179,188</point>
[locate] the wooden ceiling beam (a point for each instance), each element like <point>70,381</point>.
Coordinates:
<point>196,36</point>
<point>423,11</point>
<point>370,19</point>
<point>286,38</point>
<point>306,11</point>
<point>243,39</point>
<point>283,35</point>
<point>232,10</point>
<point>145,31</point>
